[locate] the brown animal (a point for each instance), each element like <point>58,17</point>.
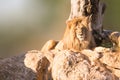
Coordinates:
<point>49,45</point>
<point>78,35</point>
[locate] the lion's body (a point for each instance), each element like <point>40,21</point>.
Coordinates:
<point>78,36</point>
<point>49,45</point>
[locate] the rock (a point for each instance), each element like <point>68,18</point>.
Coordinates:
<point>61,65</point>
<point>68,65</point>
<point>112,60</point>
<point>30,66</point>
<point>115,39</point>
<point>14,68</point>
<point>36,61</point>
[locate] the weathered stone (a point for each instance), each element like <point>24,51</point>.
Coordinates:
<point>14,69</point>
<point>36,61</point>
<point>68,65</point>
<point>30,66</point>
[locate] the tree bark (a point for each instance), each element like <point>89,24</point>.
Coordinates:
<point>94,9</point>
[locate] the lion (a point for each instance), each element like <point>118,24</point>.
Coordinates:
<point>77,36</point>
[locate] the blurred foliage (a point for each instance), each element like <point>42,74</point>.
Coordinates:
<point>112,15</point>
<point>28,24</point>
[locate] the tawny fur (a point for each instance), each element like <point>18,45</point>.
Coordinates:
<point>78,36</point>
<point>49,45</point>
<point>70,41</point>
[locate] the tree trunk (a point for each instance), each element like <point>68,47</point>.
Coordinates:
<point>94,9</point>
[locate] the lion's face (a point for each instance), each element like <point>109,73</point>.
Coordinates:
<point>81,32</point>
<point>83,35</point>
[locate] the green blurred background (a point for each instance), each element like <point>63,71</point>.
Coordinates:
<point>28,24</point>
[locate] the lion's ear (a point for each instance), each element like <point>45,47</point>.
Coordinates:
<point>85,21</point>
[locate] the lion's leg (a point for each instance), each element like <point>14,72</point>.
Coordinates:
<point>49,45</point>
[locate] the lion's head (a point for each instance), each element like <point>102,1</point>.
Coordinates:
<point>78,35</point>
